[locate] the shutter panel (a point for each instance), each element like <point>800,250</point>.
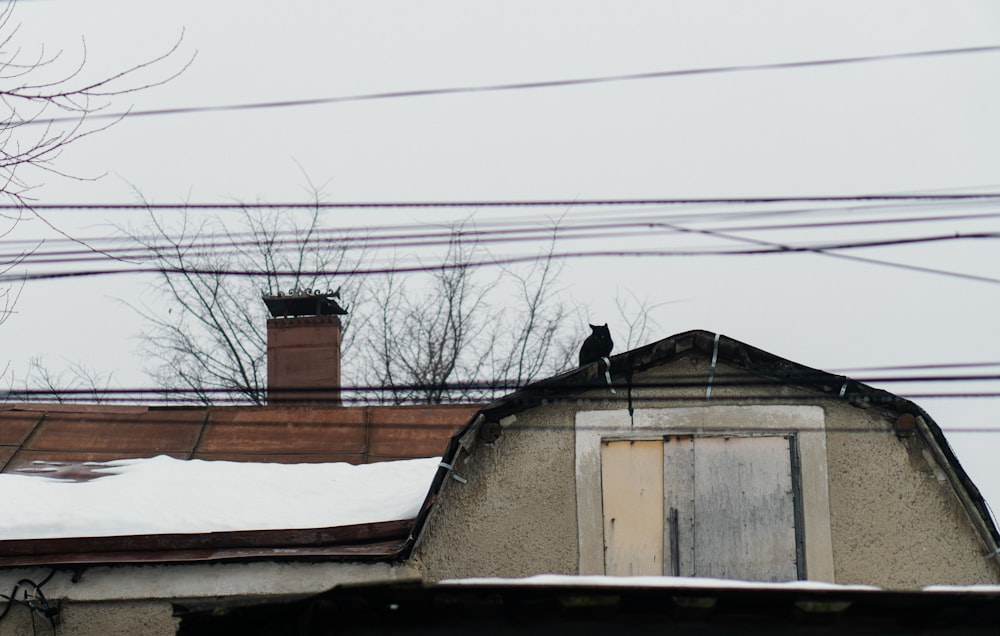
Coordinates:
<point>721,507</point>
<point>632,491</point>
<point>744,509</point>
<point>678,489</point>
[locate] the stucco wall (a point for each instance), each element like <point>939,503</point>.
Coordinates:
<point>153,618</point>
<point>895,520</point>
<point>137,599</point>
<point>516,516</point>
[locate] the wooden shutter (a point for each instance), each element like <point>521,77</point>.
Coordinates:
<point>730,509</point>
<point>632,491</point>
<point>722,507</point>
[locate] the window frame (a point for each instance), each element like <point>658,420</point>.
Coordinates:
<point>806,424</point>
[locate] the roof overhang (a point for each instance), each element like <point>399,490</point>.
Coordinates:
<point>382,541</point>
<point>592,607</point>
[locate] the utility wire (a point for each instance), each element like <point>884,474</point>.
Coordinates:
<point>218,243</point>
<point>510,203</point>
<point>919,367</point>
<point>518,86</point>
<point>676,382</point>
<point>160,415</point>
<point>829,251</point>
<point>768,249</point>
<point>418,237</point>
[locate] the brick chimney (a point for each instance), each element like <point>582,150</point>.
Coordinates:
<point>303,349</point>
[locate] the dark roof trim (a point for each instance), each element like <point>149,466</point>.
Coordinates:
<point>514,607</point>
<point>823,385</point>
<point>381,541</point>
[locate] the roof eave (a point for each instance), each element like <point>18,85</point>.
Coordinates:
<point>380,541</point>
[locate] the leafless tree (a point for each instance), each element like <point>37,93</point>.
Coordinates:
<point>446,329</point>
<point>77,382</point>
<point>636,316</point>
<point>8,295</point>
<point>410,338</point>
<point>211,341</point>
<point>48,103</point>
<point>460,333</point>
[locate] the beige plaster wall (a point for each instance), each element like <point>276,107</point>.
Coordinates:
<point>516,516</point>
<point>895,519</point>
<point>136,599</point>
<point>153,618</point>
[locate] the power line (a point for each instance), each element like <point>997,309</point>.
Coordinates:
<point>830,251</point>
<point>771,249</point>
<point>920,367</point>
<point>159,415</point>
<point>214,245</point>
<point>519,86</point>
<point>674,382</point>
<point>412,235</point>
<point>508,203</point>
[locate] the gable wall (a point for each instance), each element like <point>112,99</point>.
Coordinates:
<point>895,522</point>
<point>516,516</point>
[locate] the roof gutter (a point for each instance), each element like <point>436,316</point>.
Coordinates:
<point>380,541</point>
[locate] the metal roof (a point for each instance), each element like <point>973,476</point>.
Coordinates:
<point>58,440</point>
<point>363,542</point>
<point>62,437</point>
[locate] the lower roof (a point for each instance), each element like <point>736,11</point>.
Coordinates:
<point>60,439</point>
<point>675,606</point>
<point>64,441</point>
<point>382,541</point>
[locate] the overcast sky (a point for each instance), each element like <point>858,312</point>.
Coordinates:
<point>926,124</point>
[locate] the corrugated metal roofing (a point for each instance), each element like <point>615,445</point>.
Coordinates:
<point>58,440</point>
<point>61,438</point>
<point>363,542</point>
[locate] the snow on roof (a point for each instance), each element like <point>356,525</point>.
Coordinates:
<point>694,582</point>
<point>655,581</point>
<point>163,495</point>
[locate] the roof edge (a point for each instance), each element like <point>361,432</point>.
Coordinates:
<point>382,540</point>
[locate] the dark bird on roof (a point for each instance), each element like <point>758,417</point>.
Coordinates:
<point>597,345</point>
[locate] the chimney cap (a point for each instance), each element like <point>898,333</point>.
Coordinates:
<point>304,302</point>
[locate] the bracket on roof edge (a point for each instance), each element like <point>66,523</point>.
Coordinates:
<point>454,475</point>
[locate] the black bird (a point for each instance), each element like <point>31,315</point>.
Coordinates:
<point>597,345</point>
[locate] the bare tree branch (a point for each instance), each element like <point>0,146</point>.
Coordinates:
<point>34,86</point>
<point>213,336</point>
<point>84,383</point>
<point>451,335</point>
